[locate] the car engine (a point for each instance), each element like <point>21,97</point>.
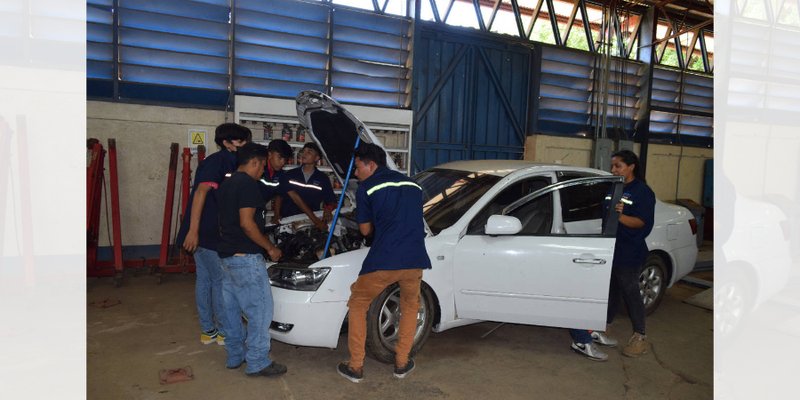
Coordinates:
<point>302,243</point>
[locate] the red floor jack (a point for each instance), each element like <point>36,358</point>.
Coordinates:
<point>183,263</point>
<point>94,180</point>
<point>94,186</point>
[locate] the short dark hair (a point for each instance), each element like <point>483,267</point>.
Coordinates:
<point>250,151</point>
<point>281,147</point>
<point>230,131</point>
<point>371,152</point>
<point>313,146</point>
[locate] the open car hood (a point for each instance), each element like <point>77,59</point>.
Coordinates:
<point>335,130</point>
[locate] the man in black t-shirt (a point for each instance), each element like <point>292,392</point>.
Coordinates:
<point>245,284</point>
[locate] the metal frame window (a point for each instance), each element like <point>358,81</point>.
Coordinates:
<point>202,52</point>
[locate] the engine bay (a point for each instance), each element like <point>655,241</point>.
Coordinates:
<point>303,244</point>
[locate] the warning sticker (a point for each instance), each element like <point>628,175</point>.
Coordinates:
<point>197,137</point>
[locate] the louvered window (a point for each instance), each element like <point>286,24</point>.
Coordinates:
<point>183,51</point>
<point>571,91</point>
<point>681,112</point>
<point>179,46</point>
<point>99,48</point>
<point>281,47</point>
<point>370,58</point>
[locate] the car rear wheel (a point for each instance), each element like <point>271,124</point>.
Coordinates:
<point>383,323</point>
<point>653,282</point>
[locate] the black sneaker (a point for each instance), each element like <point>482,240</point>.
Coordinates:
<point>344,370</point>
<point>273,369</point>
<point>403,372</point>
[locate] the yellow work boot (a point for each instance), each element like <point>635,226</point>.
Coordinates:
<point>637,345</point>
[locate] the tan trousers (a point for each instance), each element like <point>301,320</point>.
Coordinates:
<point>363,291</point>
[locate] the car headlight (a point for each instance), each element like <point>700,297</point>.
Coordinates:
<point>304,279</point>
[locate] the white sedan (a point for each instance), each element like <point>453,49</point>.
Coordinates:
<point>510,241</point>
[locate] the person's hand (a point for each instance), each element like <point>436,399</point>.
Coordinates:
<point>319,224</point>
<point>276,219</point>
<point>275,254</point>
<point>619,207</point>
<point>327,216</point>
<point>191,242</point>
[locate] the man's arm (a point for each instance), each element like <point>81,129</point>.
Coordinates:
<point>198,202</point>
<point>248,224</point>
<point>365,228</point>
<point>329,200</point>
<point>276,213</point>
<point>304,207</point>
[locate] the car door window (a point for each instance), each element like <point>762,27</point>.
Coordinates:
<point>536,217</point>
<point>583,207</point>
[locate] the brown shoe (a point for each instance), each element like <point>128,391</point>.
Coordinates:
<point>637,345</point>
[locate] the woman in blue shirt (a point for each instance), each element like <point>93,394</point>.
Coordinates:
<point>636,211</point>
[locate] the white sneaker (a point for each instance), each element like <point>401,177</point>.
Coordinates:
<point>602,339</point>
<point>590,351</point>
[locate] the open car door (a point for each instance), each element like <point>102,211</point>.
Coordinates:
<point>538,262</point>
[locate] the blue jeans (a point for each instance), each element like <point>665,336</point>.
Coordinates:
<point>580,336</point>
<point>208,289</point>
<point>246,289</point>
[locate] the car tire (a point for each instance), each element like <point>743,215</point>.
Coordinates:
<point>653,282</point>
<point>383,318</point>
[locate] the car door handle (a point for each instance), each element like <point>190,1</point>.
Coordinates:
<point>598,261</point>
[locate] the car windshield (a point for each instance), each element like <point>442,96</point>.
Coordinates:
<point>448,194</point>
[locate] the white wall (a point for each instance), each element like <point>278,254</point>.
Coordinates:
<point>143,135</point>
<point>668,167</point>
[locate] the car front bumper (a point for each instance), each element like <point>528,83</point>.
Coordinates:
<point>312,323</point>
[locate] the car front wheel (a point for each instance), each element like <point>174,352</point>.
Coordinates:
<point>653,282</point>
<point>383,323</point>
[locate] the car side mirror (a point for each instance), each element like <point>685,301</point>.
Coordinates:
<point>503,225</point>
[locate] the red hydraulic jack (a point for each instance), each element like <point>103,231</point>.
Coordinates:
<point>94,190</point>
<point>94,181</point>
<point>184,262</point>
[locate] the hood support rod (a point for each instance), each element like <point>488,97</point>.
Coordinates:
<point>341,198</point>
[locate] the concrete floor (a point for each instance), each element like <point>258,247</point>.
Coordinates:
<point>155,327</point>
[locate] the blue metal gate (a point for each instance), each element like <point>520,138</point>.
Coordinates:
<point>470,97</point>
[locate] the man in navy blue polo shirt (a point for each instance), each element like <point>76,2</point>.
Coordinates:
<point>389,206</point>
<point>199,233</point>
<point>306,189</point>
<point>278,152</point>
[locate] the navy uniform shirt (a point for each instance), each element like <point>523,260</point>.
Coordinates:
<point>211,171</point>
<point>314,191</point>
<point>393,203</point>
<point>237,192</point>
<point>271,184</point>
<point>631,248</point>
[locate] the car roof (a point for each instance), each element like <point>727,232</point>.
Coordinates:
<point>502,168</point>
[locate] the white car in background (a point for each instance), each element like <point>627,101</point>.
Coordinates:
<point>510,241</point>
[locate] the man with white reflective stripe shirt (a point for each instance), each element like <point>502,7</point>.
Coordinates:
<point>388,205</point>
<point>306,188</point>
<point>278,152</point>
